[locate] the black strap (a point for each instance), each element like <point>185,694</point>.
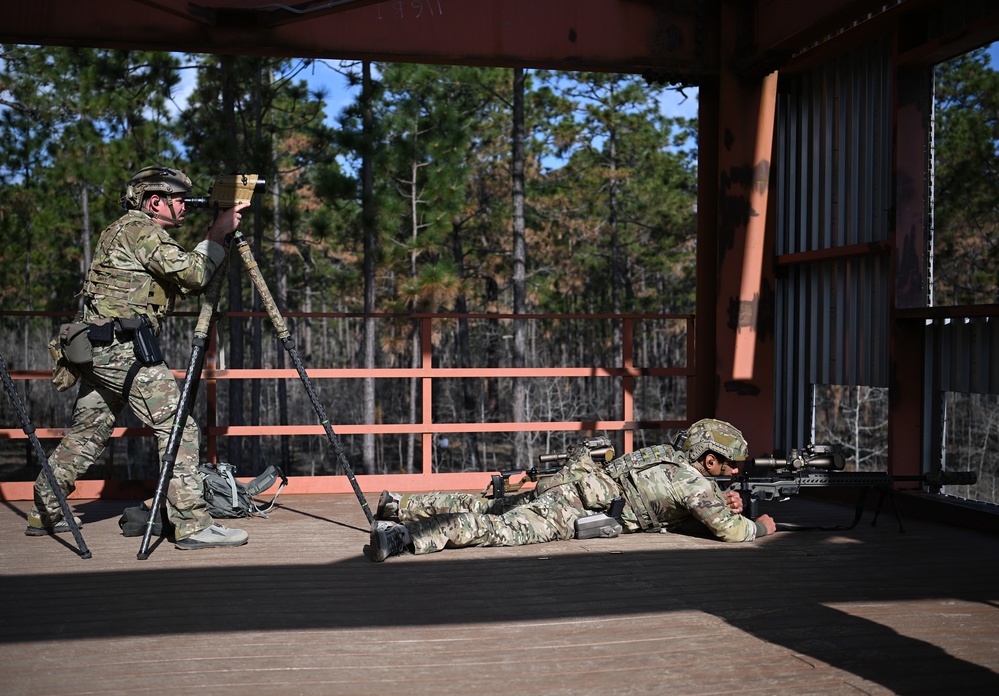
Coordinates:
<point>130,377</point>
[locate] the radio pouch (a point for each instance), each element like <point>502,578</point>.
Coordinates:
<point>75,342</point>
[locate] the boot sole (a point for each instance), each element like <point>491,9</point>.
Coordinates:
<point>207,545</point>
<point>378,548</point>
<point>42,531</point>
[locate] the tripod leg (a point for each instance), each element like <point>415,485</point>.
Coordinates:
<point>29,430</point>
<point>184,407</point>
<point>285,335</point>
<point>192,378</point>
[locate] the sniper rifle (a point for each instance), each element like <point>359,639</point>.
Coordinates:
<point>600,447</point>
<point>775,477</point>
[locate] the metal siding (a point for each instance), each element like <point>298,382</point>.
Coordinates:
<point>966,355</point>
<point>833,146</point>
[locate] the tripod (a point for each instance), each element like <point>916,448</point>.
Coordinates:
<point>29,430</point>
<point>206,320</point>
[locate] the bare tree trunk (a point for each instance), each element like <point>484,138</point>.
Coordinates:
<point>236,398</point>
<point>370,233</point>
<point>464,350</point>
<point>522,455</point>
<point>306,324</point>
<point>617,275</point>
<point>85,235</point>
<point>281,276</point>
<point>256,325</point>
<point>416,352</point>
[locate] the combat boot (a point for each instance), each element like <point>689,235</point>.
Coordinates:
<point>44,527</point>
<point>388,506</point>
<point>210,537</point>
<point>388,540</point>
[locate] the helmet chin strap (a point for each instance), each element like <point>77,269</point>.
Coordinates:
<point>173,219</point>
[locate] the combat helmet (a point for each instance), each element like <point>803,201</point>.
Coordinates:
<point>711,435</point>
<point>158,179</point>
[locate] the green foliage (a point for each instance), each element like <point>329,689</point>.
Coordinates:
<point>623,201</point>
<point>73,122</point>
<point>599,156</point>
<point>609,196</point>
<point>966,214</point>
<point>608,227</point>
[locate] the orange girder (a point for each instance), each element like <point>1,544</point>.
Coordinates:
<point>608,35</point>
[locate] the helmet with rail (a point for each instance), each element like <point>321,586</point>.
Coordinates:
<point>158,179</point>
<point>717,436</point>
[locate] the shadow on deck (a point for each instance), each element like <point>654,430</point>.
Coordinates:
<point>300,610</point>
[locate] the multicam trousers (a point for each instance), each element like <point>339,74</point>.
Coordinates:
<point>454,520</point>
<point>154,397</point>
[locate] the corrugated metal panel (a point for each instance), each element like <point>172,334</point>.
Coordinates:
<point>832,179</point>
<point>965,355</point>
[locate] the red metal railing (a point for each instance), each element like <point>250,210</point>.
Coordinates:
<point>428,426</point>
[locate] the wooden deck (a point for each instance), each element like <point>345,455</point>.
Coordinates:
<point>300,610</point>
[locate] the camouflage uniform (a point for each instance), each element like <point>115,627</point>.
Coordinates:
<point>138,270</point>
<point>661,490</point>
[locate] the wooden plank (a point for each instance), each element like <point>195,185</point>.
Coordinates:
<point>301,610</point>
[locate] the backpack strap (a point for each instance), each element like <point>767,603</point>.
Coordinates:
<point>225,471</point>
<point>262,483</point>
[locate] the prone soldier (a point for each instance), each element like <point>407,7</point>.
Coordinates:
<point>658,488</point>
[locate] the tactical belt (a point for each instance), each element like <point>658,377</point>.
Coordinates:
<point>138,330</point>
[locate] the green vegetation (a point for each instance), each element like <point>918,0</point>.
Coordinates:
<point>405,204</point>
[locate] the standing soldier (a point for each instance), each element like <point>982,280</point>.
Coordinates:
<point>137,271</point>
<point>664,488</point>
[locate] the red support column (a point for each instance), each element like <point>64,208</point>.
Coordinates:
<point>744,340</point>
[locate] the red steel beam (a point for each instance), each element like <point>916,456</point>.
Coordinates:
<point>604,35</point>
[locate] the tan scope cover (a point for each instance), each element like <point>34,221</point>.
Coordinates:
<point>232,189</point>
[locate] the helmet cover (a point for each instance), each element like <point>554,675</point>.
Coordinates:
<point>717,436</point>
<point>157,179</point>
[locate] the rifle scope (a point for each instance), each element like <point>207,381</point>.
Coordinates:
<point>598,454</point>
<point>812,456</point>
<point>228,191</point>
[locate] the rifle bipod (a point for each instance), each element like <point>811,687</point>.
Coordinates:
<point>29,430</point>
<point>202,332</point>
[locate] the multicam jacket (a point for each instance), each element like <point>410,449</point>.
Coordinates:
<point>139,269</point>
<point>661,491</point>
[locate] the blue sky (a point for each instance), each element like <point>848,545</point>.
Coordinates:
<point>323,74</point>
